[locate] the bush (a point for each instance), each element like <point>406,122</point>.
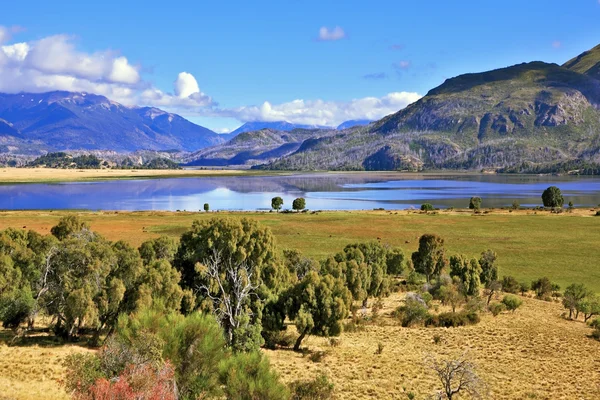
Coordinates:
<point>552,197</point>
<point>515,205</point>
<point>274,339</point>
<point>512,302</point>
<point>318,356</point>
<point>453,319</point>
<point>379,348</point>
<point>510,285</point>
<point>524,287</point>
<point>496,308</point>
<point>543,288</point>
<point>248,376</point>
<point>413,312</point>
<point>319,388</point>
<point>426,207</point>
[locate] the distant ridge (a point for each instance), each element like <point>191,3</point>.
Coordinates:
<point>82,121</point>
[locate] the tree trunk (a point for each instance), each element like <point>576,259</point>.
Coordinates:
<point>299,340</point>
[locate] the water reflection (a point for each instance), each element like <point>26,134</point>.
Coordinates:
<point>322,191</point>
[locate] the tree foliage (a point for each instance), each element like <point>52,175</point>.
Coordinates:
<point>299,204</point>
<point>430,259</point>
<point>276,203</point>
<point>552,197</point>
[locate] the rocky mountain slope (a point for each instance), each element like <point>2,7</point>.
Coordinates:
<point>82,121</point>
<point>529,117</point>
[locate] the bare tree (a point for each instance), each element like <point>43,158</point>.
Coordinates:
<point>229,286</point>
<point>457,376</point>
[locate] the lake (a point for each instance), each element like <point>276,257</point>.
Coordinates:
<point>323,191</point>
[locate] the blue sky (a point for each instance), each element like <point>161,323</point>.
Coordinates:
<point>242,54</point>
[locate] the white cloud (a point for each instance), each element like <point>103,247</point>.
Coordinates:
<point>186,85</point>
<point>557,44</point>
<point>326,34</point>
<point>54,63</point>
<point>320,112</point>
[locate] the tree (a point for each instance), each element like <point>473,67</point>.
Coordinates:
<point>414,311</point>
<point>489,269</point>
<point>552,197</point>
<point>515,205</point>
<point>69,225</point>
<point>589,306</point>
<point>512,302</point>
<point>232,252</point>
<point>573,296</point>
<point>276,203</point>
<point>426,207</point>
<point>297,264</point>
<point>231,290</point>
<point>206,207</point>
<point>491,290</point>
<point>430,259</point>
<point>571,206</point>
<point>395,261</point>
<point>457,377</point>
<point>468,271</point>
<point>543,288</point>
<point>317,305</point>
<point>161,248</point>
<point>475,203</point>
<point>299,204</point>
<point>510,284</point>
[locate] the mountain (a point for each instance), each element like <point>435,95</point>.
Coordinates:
<point>587,63</point>
<point>531,117</point>
<point>352,123</point>
<point>83,121</point>
<point>276,126</point>
<point>256,147</point>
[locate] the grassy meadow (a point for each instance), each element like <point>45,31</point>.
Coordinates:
<point>530,244</point>
<point>531,354</point>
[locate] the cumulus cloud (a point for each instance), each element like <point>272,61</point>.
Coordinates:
<point>321,112</point>
<point>326,34</point>
<point>54,63</point>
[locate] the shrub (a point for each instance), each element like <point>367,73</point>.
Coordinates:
<point>475,203</point>
<point>496,308</point>
<point>452,319</point>
<point>552,197</point>
<point>318,356</point>
<point>274,339</point>
<point>437,339</point>
<point>379,348</point>
<point>512,302</point>
<point>543,288</point>
<point>426,207</point>
<point>413,312</point>
<point>510,284</point>
<point>248,376</point>
<point>524,287</point>
<point>515,205</point>
<point>319,388</point>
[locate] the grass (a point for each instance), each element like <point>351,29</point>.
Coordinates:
<point>533,353</point>
<point>529,244</point>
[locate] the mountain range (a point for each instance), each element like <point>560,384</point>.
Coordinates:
<point>31,122</point>
<point>529,117</point>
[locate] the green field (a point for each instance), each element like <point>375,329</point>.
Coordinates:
<point>565,247</point>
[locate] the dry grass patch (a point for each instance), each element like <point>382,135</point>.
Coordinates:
<point>532,353</point>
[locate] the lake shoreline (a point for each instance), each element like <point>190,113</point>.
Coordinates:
<point>11,175</point>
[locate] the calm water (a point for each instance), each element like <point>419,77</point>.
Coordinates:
<point>358,191</point>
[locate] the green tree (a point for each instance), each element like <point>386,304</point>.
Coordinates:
<point>299,204</point>
<point>512,302</point>
<point>468,272</point>
<point>317,305</point>
<point>161,248</point>
<point>232,266</point>
<point>426,207</point>
<point>69,225</point>
<point>543,288</point>
<point>206,207</point>
<point>572,298</point>
<point>475,203</point>
<point>489,268</point>
<point>298,265</point>
<point>395,261</point>
<point>589,306</point>
<point>430,259</point>
<point>510,284</point>
<point>515,205</point>
<point>552,197</point>
<point>276,203</point>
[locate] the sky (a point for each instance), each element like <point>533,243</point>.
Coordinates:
<point>223,63</point>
